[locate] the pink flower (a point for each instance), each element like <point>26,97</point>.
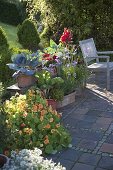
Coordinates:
<point>22,125</point>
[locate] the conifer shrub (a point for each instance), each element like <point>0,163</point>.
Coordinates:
<point>5,72</point>
<point>3,39</point>
<point>28,35</point>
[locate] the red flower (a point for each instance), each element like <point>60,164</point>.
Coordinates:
<point>46,55</point>
<point>54,57</point>
<point>66,36</point>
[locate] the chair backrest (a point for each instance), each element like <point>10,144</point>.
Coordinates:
<point>88,49</point>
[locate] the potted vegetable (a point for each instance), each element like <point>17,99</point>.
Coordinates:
<point>25,65</point>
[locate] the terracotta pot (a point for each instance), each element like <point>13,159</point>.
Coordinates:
<point>53,103</point>
<point>25,80</point>
<point>68,99</point>
<point>3,160</point>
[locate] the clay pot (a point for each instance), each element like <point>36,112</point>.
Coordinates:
<point>52,102</point>
<point>25,81</point>
<point>3,160</point>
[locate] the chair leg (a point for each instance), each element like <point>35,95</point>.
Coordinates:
<point>108,79</point>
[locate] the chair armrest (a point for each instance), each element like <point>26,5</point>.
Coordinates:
<point>104,52</point>
<point>101,56</point>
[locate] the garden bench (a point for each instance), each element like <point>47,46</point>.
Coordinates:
<point>91,57</point>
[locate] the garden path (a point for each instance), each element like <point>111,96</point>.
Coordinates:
<point>90,122</point>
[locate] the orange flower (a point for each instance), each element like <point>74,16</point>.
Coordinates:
<point>51,120</point>
<point>46,141</point>
<point>57,125</point>
<point>42,112</point>
<point>47,126</point>
<point>41,118</point>
<point>40,106</point>
<point>35,108</point>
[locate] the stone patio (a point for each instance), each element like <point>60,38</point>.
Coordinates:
<point>90,122</point>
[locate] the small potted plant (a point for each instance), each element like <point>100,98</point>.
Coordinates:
<point>25,65</point>
<point>51,87</point>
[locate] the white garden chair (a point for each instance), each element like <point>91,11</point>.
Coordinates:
<point>90,53</point>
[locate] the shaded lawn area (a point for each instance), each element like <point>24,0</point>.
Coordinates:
<point>11,32</point>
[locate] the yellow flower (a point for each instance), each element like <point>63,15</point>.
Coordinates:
<point>28,131</point>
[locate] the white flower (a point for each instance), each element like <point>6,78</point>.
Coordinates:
<point>31,160</point>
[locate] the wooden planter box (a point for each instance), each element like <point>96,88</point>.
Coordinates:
<point>68,99</point>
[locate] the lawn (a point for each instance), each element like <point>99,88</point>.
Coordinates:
<point>11,32</point>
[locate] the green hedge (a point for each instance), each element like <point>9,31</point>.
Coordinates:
<point>9,13</point>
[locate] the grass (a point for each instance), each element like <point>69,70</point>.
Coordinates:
<point>11,32</point>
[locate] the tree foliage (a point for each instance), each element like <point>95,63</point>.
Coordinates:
<point>90,18</point>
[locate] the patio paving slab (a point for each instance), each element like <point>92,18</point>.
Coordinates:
<point>106,163</point>
<point>109,139</point>
<point>91,159</point>
<point>80,166</point>
<point>87,144</point>
<point>106,147</point>
<point>71,155</point>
